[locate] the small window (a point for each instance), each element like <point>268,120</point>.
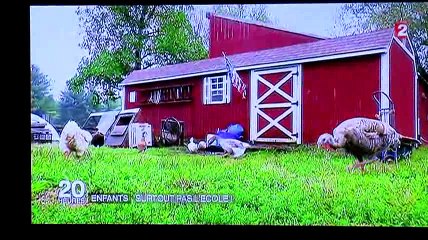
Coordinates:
<point>132,96</point>
<point>92,122</point>
<point>216,90</point>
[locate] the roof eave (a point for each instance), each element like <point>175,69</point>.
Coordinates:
<point>249,67</point>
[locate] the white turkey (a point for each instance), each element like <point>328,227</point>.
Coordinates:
<point>192,146</point>
<point>74,139</point>
<point>361,137</point>
<point>232,147</point>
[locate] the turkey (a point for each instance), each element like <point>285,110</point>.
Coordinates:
<point>361,137</point>
<point>142,145</point>
<point>232,147</point>
<point>74,139</point>
<point>98,138</point>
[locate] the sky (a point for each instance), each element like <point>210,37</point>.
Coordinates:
<point>55,34</point>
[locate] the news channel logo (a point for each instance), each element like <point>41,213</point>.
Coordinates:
<point>73,192</point>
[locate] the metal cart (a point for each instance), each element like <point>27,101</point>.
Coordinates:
<point>407,144</point>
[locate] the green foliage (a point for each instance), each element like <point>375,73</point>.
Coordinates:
<point>102,75</point>
<point>78,106</point>
<point>176,41</point>
<point>75,107</point>
<point>258,12</point>
<point>41,98</point>
<point>302,187</point>
<point>122,38</point>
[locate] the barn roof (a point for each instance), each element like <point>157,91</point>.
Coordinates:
<point>263,24</point>
<point>376,40</point>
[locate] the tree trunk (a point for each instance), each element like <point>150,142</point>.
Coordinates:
<point>137,64</point>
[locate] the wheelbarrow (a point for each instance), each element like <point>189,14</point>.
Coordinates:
<point>407,144</point>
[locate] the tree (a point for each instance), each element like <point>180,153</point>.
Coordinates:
<point>364,17</point>
<point>122,38</point>
<point>42,101</point>
<point>78,106</point>
<point>256,12</point>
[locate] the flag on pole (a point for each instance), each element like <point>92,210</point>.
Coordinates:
<point>234,78</point>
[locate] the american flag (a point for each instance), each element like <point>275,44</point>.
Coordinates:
<point>234,78</point>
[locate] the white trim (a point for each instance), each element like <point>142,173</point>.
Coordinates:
<point>281,140</point>
<point>123,97</point>
<point>262,24</point>
<point>297,92</point>
<point>385,82</point>
<point>132,97</point>
<point>390,42</point>
<point>275,122</point>
<point>275,105</point>
<point>176,77</point>
<point>131,110</point>
<point>314,59</point>
<point>404,48</point>
<point>291,69</point>
<point>411,46</point>
<point>275,88</point>
<point>225,87</point>
<point>253,108</point>
<point>268,65</point>
<point>416,98</point>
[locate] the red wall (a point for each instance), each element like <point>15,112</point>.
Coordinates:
<point>402,90</point>
<point>237,37</point>
<point>199,119</point>
<point>332,92</point>
<point>423,110</point>
<point>336,90</point>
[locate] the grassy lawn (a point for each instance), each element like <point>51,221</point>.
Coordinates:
<point>301,187</point>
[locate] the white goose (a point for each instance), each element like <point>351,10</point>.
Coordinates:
<point>192,146</point>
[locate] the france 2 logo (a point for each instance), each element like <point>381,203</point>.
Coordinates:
<point>400,29</point>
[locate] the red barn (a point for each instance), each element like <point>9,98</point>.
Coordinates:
<point>298,85</point>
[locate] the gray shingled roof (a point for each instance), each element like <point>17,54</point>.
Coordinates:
<point>341,45</point>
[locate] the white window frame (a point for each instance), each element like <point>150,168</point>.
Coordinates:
<point>132,97</point>
<point>207,90</point>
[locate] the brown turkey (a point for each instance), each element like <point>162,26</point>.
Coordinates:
<point>361,137</point>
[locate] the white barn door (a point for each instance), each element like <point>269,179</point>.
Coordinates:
<point>276,105</point>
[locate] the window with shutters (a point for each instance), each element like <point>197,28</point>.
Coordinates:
<point>216,90</point>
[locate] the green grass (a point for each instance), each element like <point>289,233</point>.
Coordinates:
<point>301,187</point>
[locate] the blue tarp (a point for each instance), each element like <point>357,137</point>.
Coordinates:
<point>233,131</point>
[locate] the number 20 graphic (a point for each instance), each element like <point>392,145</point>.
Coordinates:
<point>78,189</point>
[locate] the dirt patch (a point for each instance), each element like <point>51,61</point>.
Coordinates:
<point>51,197</point>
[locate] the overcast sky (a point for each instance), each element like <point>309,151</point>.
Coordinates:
<point>55,34</point>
